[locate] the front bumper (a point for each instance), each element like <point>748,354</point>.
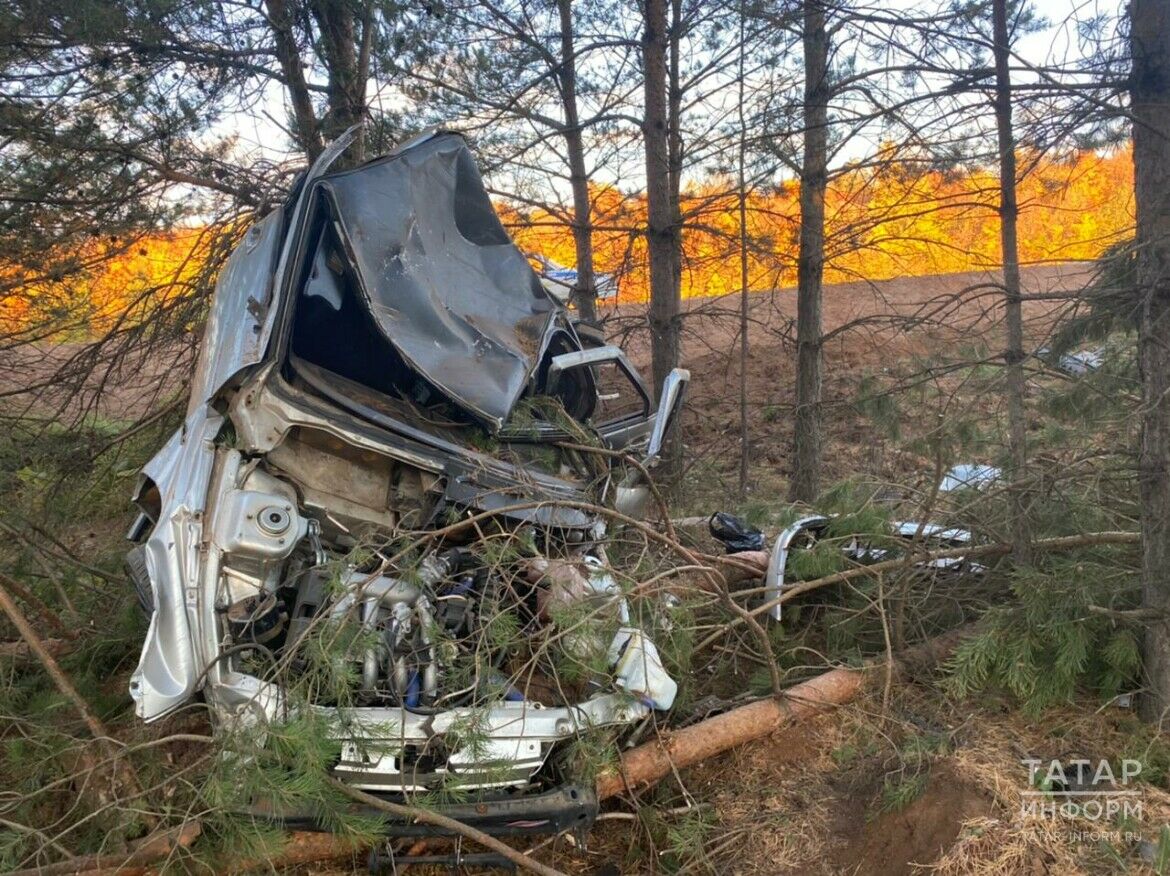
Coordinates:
<point>565,808</point>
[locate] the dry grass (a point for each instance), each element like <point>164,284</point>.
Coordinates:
<point>811,800</point>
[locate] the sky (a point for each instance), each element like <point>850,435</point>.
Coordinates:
<point>259,132</point>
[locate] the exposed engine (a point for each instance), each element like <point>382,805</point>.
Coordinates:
<point>422,644</point>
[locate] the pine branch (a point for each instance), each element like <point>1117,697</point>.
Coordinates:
<point>415,813</point>
<point>126,774</point>
<point>1046,545</point>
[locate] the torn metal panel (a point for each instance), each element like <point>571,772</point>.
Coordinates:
<point>178,477</point>
<point>439,274</point>
<point>970,474</point>
<point>234,337</point>
<point>243,309</point>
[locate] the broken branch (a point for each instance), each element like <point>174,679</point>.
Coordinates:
<point>1061,543</point>
<point>416,813</point>
<point>53,669</point>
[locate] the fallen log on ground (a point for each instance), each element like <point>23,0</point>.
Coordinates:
<point>154,849</point>
<point>303,847</point>
<point>648,763</point>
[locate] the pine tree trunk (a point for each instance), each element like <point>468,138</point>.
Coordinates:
<point>661,232</point>
<point>305,129</point>
<point>810,267</point>
<point>1013,312</point>
<point>346,95</point>
<point>584,289</point>
<point>674,141</point>
<point>744,433</point>
<point>670,468</point>
<point>1150,108</point>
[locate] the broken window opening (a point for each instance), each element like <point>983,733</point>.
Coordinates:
<point>333,329</point>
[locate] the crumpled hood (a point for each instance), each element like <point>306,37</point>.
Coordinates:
<point>439,274</point>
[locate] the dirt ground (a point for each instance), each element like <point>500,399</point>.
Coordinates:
<point>872,329</point>
<point>868,323</point>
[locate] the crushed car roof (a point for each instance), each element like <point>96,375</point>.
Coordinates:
<point>439,274</point>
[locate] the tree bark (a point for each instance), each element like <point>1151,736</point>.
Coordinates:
<point>584,293</point>
<point>744,433</point>
<point>289,56</point>
<point>661,231</point>
<point>345,55</point>
<point>674,96</point>
<point>1013,310</point>
<point>810,268</point>
<point>1150,108</point>
<point>646,764</point>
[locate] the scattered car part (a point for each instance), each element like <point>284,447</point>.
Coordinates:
<point>1075,364</point>
<point>560,281</point>
<point>804,533</point>
<point>970,475</point>
<point>778,562</point>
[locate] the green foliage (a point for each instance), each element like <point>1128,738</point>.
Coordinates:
<point>1096,405</point>
<point>1146,744</point>
<point>587,631</point>
<point>879,406</point>
<point>823,558</point>
<point>1048,643</point>
<point>1110,304</point>
<point>1161,862</point>
<point>858,747</point>
<point>899,791</point>
<point>679,840</point>
<point>589,754</point>
<point>283,771</point>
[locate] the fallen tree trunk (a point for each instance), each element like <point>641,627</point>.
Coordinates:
<point>151,851</point>
<point>303,847</point>
<point>648,763</point>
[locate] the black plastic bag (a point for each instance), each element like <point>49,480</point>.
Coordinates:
<point>735,533</point>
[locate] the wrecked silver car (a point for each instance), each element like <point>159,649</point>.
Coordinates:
<point>380,362</point>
